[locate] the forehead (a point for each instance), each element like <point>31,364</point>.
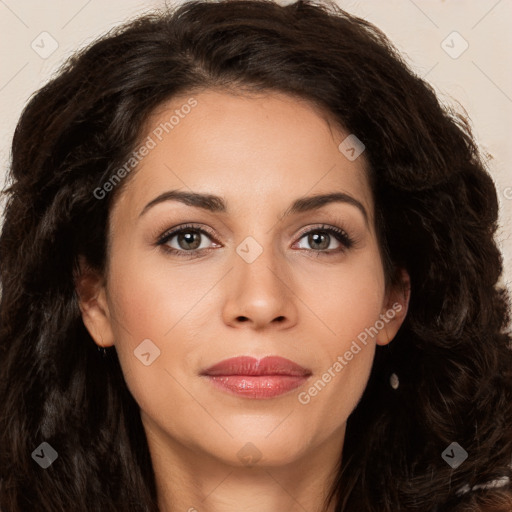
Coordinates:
<point>254,150</point>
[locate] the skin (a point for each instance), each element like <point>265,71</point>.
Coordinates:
<point>260,153</point>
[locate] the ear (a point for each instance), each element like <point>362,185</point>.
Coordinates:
<point>395,308</point>
<point>92,299</point>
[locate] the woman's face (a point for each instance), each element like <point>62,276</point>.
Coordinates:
<point>255,273</point>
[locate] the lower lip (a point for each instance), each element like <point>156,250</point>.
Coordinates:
<point>260,386</point>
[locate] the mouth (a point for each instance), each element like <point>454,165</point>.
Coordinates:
<point>252,378</point>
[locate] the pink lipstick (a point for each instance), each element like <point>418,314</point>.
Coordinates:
<point>252,378</point>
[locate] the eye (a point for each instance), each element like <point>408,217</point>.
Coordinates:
<point>321,238</point>
<point>187,241</point>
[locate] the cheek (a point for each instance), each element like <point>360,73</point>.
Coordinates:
<point>149,300</point>
<point>344,359</point>
<point>346,350</point>
<point>348,298</point>
<point>155,321</point>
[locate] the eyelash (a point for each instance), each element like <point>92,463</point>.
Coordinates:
<point>339,234</point>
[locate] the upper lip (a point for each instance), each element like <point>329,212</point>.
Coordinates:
<point>247,365</point>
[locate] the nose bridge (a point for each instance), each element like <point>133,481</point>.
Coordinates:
<point>260,290</point>
<point>258,261</point>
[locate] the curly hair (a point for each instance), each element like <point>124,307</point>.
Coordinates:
<point>436,216</point>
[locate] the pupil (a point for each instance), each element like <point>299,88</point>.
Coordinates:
<point>189,239</point>
<point>315,239</point>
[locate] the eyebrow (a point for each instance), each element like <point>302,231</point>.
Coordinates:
<point>216,204</point>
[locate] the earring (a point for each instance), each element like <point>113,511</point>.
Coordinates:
<point>103,352</point>
<point>394,381</point>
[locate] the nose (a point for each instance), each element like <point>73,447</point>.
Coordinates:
<point>259,293</point>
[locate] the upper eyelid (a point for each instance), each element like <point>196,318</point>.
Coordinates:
<point>320,227</point>
<point>172,232</point>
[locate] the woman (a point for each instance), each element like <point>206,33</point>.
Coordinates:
<point>335,338</point>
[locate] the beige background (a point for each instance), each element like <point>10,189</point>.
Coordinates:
<point>480,78</point>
